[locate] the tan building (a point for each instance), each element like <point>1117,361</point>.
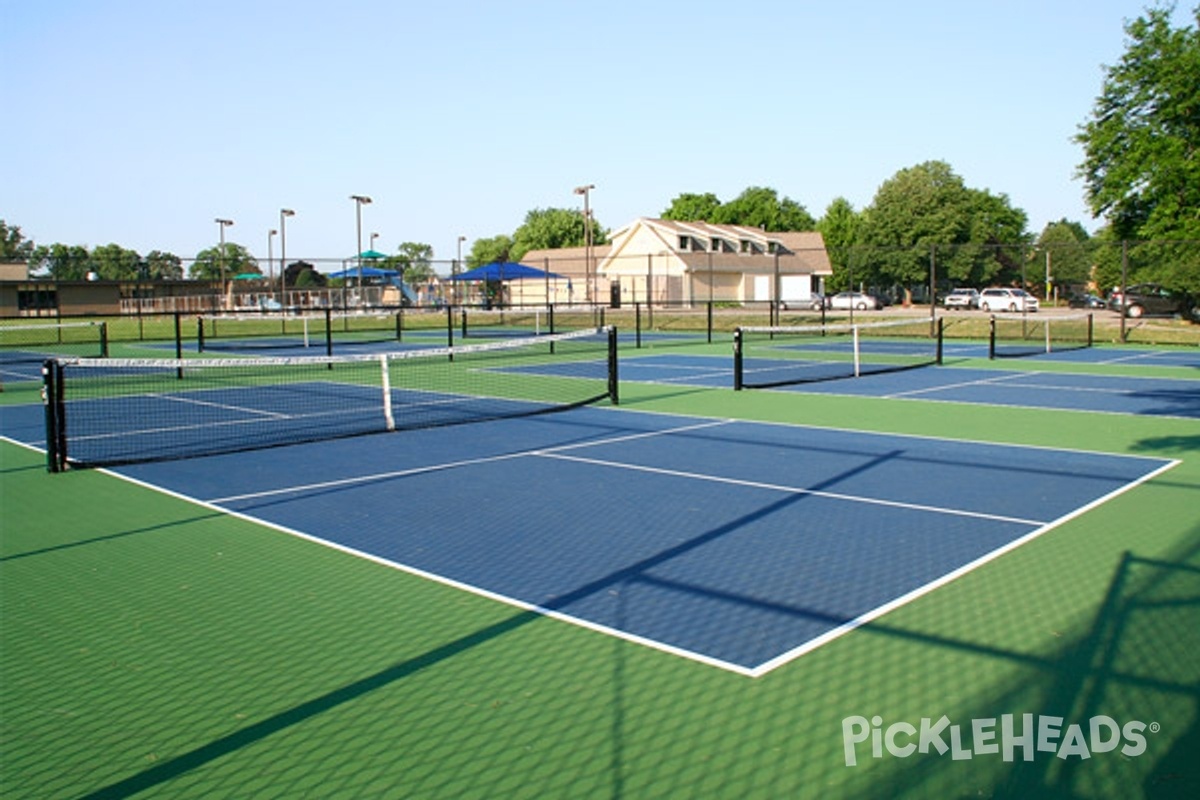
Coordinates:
<point>667,262</point>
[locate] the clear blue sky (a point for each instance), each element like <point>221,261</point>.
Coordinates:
<point>140,121</point>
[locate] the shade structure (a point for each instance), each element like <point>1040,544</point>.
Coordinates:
<point>503,271</point>
<point>366,272</point>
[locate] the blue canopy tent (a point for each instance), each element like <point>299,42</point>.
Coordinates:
<point>496,275</point>
<point>503,271</point>
<point>366,272</point>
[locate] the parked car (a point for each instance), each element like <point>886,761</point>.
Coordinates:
<point>1000,299</point>
<point>1086,301</point>
<point>814,303</point>
<point>855,300</point>
<point>1149,298</point>
<point>962,298</point>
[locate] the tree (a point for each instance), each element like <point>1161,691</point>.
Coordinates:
<point>760,207</point>
<point>551,229</point>
<point>13,246</point>
<point>487,251</point>
<point>414,263</point>
<point>926,216</point>
<point>1142,149</point>
<point>211,264</point>
<point>162,266</point>
<point>1065,252</point>
<point>61,262</point>
<point>1142,144</point>
<point>693,208</point>
<point>111,262</point>
<point>840,229</point>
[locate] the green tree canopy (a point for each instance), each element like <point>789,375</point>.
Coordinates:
<point>1064,250</point>
<point>61,262</point>
<point>13,246</point>
<point>922,209</point>
<point>693,208</point>
<point>1142,147</point>
<point>235,260</point>
<point>840,229</point>
<point>756,207</point>
<point>760,207</point>
<point>162,266</point>
<point>553,228</point>
<point>414,262</point>
<point>111,262</point>
<point>486,251</point>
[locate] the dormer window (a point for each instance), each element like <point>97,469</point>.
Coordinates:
<point>683,242</point>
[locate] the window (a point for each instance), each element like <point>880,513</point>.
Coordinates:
<point>683,242</point>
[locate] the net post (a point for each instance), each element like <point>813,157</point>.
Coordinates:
<point>614,394</point>
<point>104,340</point>
<point>938,333</point>
<point>463,311</point>
<point>449,325</point>
<point>1046,332</point>
<point>179,344</point>
<point>637,316</point>
<point>51,423</point>
<point>400,324</point>
<point>1090,333</point>
<point>56,452</point>
<point>857,353</point>
<point>710,320</point>
<point>389,419</point>
<point>737,359</point>
<point>199,333</point>
<point>328,332</point>
<point>992,337</point>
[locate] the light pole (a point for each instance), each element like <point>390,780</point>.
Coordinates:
<point>587,239</point>
<point>284,213</point>
<point>222,225</point>
<point>271,234</point>
<point>359,201</point>
<point>374,236</point>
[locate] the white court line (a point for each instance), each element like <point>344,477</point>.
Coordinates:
<point>953,575</point>
<point>978,382</point>
<point>801,490</point>
<point>379,476</point>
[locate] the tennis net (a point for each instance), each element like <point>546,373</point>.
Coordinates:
<point>121,411</point>
<point>1020,336</point>
<point>790,354</point>
<point>324,331</point>
<point>36,342</point>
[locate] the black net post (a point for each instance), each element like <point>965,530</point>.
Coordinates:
<point>104,340</point>
<point>329,332</point>
<point>200,334</point>
<point>400,324</point>
<point>1090,330</point>
<point>737,359</point>
<point>56,454</point>
<point>709,325</point>
<point>178,344</point>
<point>449,325</point>
<point>938,333</point>
<point>992,337</point>
<point>614,394</point>
<point>637,316</point>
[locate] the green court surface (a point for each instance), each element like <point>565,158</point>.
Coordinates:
<point>154,647</point>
